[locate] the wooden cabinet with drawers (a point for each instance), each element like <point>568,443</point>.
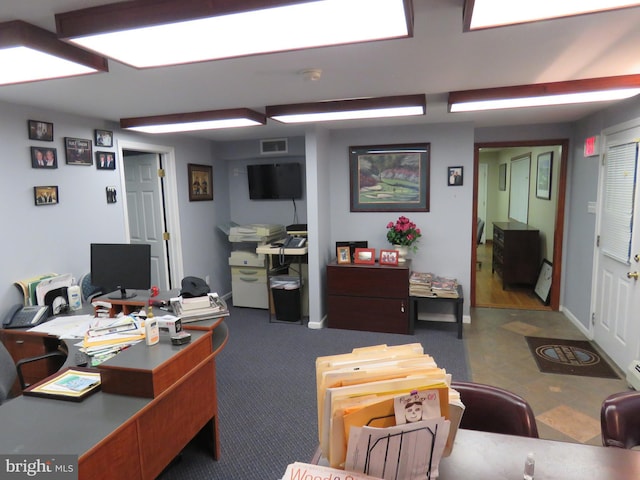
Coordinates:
<point>368,297</point>
<point>516,253</point>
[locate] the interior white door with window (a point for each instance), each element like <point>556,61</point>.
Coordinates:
<point>616,295</point>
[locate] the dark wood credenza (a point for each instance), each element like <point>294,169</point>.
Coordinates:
<point>516,253</point>
<point>368,297</point>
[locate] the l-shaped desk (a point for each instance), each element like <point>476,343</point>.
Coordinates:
<point>125,436</point>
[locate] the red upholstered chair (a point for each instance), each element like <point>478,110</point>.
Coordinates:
<point>493,409</point>
<point>620,420</point>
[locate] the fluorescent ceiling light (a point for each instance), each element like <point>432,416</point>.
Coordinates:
<point>480,14</point>
<point>29,53</point>
<point>399,106</point>
<point>153,33</point>
<point>187,122</point>
<point>544,94</point>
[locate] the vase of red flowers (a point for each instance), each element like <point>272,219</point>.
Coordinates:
<point>403,235</point>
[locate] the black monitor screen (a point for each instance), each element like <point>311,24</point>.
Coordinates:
<point>280,181</point>
<point>118,266</point>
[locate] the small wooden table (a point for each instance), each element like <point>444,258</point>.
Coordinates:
<point>457,305</point>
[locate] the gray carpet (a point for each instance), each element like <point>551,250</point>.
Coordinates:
<point>266,391</point>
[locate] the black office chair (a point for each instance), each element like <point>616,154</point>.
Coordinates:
<point>620,420</point>
<point>9,369</point>
<point>88,290</point>
<point>493,409</point>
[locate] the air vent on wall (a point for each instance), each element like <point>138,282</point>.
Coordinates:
<point>274,145</point>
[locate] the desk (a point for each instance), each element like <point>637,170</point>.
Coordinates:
<point>120,436</point>
<point>493,456</point>
<point>458,303</point>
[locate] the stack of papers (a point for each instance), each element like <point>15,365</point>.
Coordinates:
<point>107,337</point>
<point>431,285</point>
<point>199,308</point>
<point>393,396</point>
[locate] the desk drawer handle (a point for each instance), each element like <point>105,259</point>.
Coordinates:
<point>249,272</point>
<point>19,342</point>
<point>248,279</point>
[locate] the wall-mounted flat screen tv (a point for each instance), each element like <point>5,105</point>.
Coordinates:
<point>275,181</point>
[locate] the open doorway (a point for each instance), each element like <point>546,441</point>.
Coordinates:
<point>151,208</point>
<point>544,212</point>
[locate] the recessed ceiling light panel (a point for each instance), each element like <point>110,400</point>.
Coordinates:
<point>165,32</point>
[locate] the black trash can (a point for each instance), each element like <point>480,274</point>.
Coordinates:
<point>286,297</point>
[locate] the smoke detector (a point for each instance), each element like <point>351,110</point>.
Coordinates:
<point>311,74</point>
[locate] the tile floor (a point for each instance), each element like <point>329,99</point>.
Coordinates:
<point>567,407</point>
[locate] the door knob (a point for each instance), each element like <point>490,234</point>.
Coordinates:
<point>633,275</point>
<point>636,257</point>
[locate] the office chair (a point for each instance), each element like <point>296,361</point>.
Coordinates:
<point>89,291</point>
<point>493,409</point>
<point>9,369</point>
<point>480,231</point>
<point>620,420</point>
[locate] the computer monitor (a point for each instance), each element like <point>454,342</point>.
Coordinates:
<point>117,267</point>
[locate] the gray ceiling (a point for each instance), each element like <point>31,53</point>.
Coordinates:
<point>438,59</point>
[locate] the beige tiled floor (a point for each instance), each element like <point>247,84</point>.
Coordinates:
<point>567,407</point>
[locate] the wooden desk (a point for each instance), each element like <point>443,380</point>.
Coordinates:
<point>119,436</point>
<point>492,456</point>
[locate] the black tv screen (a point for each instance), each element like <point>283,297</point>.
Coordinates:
<point>275,181</point>
<point>119,266</point>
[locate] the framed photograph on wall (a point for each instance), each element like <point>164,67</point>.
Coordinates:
<point>104,138</point>
<point>455,177</point>
<point>44,157</point>
<point>45,195</point>
<point>543,178</point>
<point>39,130</point>
<point>105,161</point>
<point>390,178</point>
<point>200,182</point>
<point>365,255</point>
<point>78,151</point>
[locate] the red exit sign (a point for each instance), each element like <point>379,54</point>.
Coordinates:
<point>591,146</point>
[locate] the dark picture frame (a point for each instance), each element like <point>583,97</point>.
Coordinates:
<point>103,138</point>
<point>200,182</point>
<point>388,257</point>
<point>390,178</point>
<point>365,255</point>
<point>343,255</point>
<point>502,177</point>
<point>39,130</point>
<point>46,195</point>
<point>44,157</point>
<point>455,176</point>
<point>543,176</point>
<point>105,160</point>
<point>543,285</point>
<point>78,151</point>
<point>112,194</point>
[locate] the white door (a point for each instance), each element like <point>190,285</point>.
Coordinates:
<point>146,219</point>
<point>616,295</point>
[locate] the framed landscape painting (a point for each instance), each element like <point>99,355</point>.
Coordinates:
<point>390,178</point>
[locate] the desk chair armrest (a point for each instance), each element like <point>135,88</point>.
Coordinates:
<point>57,354</point>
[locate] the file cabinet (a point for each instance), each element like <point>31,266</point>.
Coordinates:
<point>368,297</point>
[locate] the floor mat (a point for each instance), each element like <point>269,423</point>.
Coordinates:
<point>569,357</point>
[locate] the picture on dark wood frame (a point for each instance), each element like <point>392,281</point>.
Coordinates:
<point>365,255</point>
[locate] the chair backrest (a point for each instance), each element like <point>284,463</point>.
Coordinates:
<point>493,409</point>
<point>88,290</point>
<point>620,420</point>
<point>480,230</point>
<point>8,373</point>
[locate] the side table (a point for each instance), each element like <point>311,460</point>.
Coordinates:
<point>457,305</point>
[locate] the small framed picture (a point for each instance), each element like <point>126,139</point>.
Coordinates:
<point>388,257</point>
<point>104,138</point>
<point>44,157</point>
<point>200,182</point>
<point>455,176</point>
<point>111,194</point>
<point>105,161</point>
<point>365,255</point>
<point>343,254</point>
<point>78,151</point>
<point>45,195</point>
<point>39,130</point>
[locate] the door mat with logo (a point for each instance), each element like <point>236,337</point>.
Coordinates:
<point>569,357</point>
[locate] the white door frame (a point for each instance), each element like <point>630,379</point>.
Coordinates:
<point>170,202</point>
